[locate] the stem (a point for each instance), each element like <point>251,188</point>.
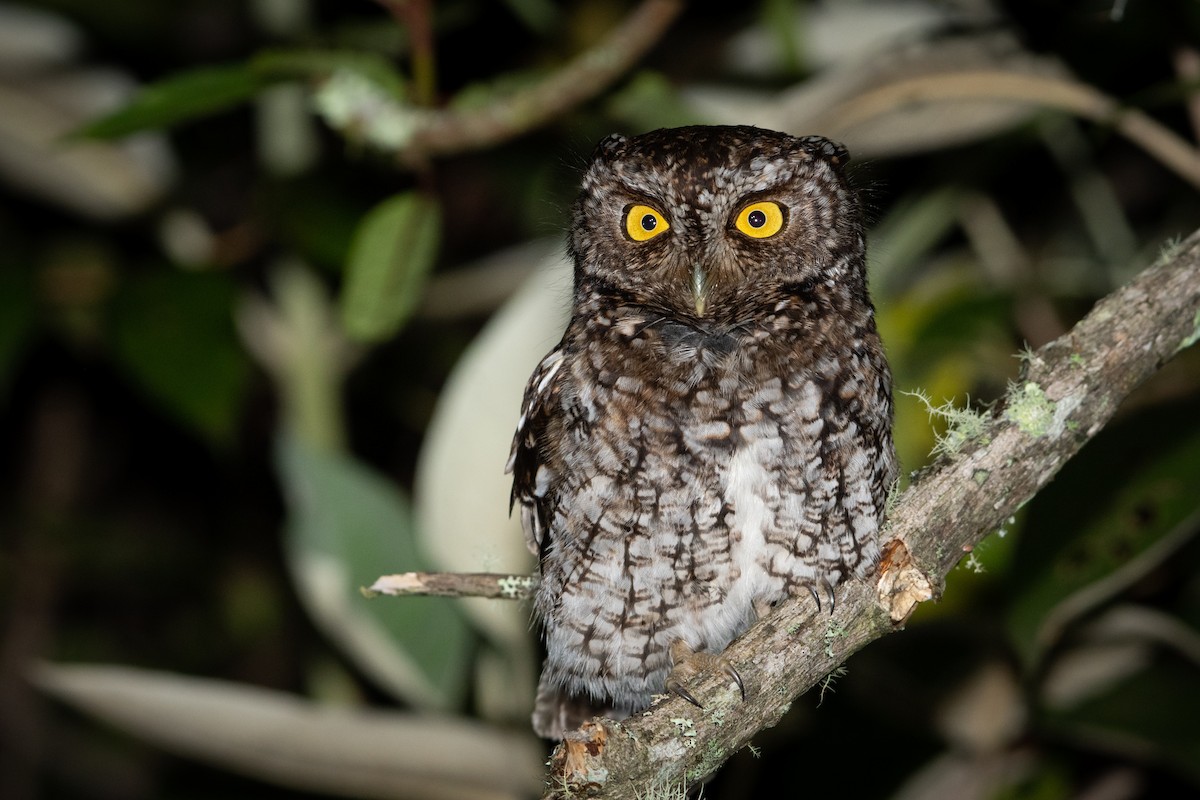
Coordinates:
<point>417,17</point>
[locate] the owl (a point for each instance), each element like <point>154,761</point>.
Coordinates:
<point>713,432</point>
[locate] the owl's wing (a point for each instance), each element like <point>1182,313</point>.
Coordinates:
<point>532,476</point>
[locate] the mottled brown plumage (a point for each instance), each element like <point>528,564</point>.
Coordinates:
<point>713,432</point>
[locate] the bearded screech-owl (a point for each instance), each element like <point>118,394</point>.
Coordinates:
<point>713,432</point>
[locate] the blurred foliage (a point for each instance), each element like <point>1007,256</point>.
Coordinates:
<point>386,267</point>
<point>232,315</point>
<point>346,521</point>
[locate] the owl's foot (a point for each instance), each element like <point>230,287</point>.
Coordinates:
<point>687,664</point>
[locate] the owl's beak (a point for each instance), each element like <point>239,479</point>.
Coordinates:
<point>699,289</point>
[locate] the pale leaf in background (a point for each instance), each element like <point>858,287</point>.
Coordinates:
<point>283,739</point>
<point>461,491</point>
<point>42,99</point>
<point>96,180</point>
<point>828,34</point>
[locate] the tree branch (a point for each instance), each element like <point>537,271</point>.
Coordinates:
<point>456,130</point>
<point>1069,390</point>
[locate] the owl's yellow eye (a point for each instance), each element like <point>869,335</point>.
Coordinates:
<point>643,223</point>
<point>760,220</point>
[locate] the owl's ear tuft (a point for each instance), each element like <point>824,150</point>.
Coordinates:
<point>835,153</point>
<point>609,145</point>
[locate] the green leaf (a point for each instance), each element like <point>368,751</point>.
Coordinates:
<point>202,92</point>
<point>1125,504</point>
<point>904,241</point>
<point>182,97</point>
<point>540,16</point>
<point>393,250</point>
<point>346,526</point>
<point>173,332</point>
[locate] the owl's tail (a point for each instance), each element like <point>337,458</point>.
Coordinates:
<point>556,711</point>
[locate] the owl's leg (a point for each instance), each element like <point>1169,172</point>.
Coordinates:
<point>687,663</point>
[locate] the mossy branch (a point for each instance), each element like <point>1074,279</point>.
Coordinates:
<point>1068,391</point>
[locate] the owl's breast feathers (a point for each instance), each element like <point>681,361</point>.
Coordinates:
<point>674,475</point>
<point>658,381</point>
<point>546,412</point>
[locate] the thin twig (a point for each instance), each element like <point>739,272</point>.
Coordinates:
<point>454,584</point>
<point>416,16</point>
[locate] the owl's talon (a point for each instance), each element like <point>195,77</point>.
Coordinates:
<point>816,597</point>
<point>828,587</point>
<point>675,687</point>
<point>732,672</point>
<point>686,664</point>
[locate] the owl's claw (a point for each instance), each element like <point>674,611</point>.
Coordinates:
<point>732,672</point>
<point>828,587</point>
<point>686,664</point>
<point>675,687</point>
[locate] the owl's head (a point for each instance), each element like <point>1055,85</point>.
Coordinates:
<point>710,222</point>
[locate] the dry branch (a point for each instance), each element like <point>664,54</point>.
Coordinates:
<point>1081,99</point>
<point>454,584</point>
<point>1069,390</point>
